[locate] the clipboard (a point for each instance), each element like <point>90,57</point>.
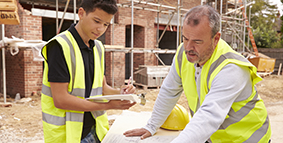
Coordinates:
<point>107,98</point>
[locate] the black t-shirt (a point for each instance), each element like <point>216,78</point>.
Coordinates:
<point>58,70</point>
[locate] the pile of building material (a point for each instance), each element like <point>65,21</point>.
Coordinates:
<point>265,65</point>
<point>150,76</point>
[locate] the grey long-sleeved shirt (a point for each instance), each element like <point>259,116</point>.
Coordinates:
<point>227,87</point>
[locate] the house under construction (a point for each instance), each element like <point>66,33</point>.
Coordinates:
<point>142,33</point>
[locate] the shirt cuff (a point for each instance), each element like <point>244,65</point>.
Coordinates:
<point>150,128</point>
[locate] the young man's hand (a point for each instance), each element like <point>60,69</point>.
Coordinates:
<point>120,104</point>
<point>127,89</point>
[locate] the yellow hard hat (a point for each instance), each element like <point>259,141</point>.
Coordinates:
<point>177,120</point>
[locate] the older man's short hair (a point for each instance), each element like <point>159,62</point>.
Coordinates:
<point>194,16</point>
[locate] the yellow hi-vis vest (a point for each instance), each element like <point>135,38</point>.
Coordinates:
<point>247,120</point>
<point>65,126</point>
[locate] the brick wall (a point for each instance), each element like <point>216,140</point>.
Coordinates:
<point>119,57</point>
<point>23,75</point>
<point>108,67</point>
<point>139,41</point>
<point>33,71</point>
<point>30,27</point>
<point>15,79</point>
<point>144,37</point>
<point>141,23</point>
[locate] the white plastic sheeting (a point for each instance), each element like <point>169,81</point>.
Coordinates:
<point>15,43</point>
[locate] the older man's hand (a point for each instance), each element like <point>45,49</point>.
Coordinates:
<point>138,132</point>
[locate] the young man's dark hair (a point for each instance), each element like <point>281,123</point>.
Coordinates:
<point>108,6</point>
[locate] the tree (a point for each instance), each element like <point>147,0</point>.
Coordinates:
<point>281,24</point>
<point>265,36</point>
<point>263,15</point>
<point>279,43</point>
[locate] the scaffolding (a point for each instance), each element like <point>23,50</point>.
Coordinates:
<point>149,5</point>
<point>154,7</point>
<point>233,23</point>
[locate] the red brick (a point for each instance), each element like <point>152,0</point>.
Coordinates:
<point>22,66</point>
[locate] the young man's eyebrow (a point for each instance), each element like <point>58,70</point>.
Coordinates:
<point>101,20</point>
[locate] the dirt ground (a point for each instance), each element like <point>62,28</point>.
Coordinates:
<point>21,123</point>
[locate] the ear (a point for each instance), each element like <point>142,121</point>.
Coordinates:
<point>216,39</point>
<point>81,12</point>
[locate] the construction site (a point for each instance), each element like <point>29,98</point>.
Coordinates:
<point>140,44</point>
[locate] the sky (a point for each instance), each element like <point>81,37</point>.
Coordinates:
<point>279,5</point>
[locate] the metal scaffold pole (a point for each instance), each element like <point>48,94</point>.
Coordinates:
<point>57,16</point>
<point>132,43</point>
<point>62,19</point>
<point>220,16</point>
<point>178,19</point>
<point>157,29</point>
<point>75,11</point>
<point>249,26</point>
<point>112,52</point>
<point>3,63</point>
<point>244,34</point>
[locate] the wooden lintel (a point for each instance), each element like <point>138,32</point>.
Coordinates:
<point>8,6</point>
<point>10,18</point>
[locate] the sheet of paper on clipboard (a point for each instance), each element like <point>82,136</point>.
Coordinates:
<point>106,98</point>
<point>129,120</point>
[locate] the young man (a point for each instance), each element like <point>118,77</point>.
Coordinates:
<point>219,84</point>
<point>74,70</point>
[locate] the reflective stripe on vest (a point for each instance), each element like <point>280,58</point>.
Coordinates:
<point>55,120</point>
<point>180,59</point>
<point>98,49</point>
<point>259,133</point>
<point>245,109</point>
<point>73,58</point>
<point>215,64</point>
<point>239,115</point>
<point>80,92</point>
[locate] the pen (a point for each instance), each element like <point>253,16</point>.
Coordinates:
<point>129,81</point>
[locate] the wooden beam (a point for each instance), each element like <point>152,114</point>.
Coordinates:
<point>10,18</point>
<point>9,12</point>
<point>119,48</point>
<point>8,6</point>
<point>279,70</point>
<point>7,0</point>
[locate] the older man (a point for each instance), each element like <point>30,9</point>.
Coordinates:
<point>219,84</point>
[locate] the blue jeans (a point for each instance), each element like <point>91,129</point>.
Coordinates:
<point>91,137</point>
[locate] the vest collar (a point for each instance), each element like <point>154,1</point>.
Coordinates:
<point>78,38</point>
